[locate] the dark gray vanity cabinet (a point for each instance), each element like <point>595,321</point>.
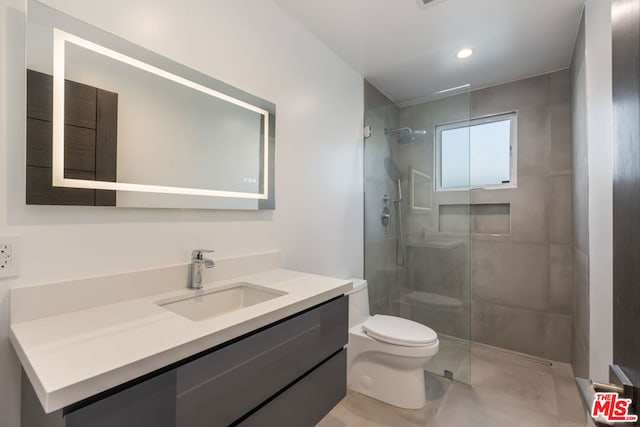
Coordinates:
<point>221,387</point>
<point>148,404</point>
<point>307,401</point>
<point>290,373</point>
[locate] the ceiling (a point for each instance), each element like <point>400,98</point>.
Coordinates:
<point>407,50</point>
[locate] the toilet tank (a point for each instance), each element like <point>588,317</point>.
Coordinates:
<point>358,302</point>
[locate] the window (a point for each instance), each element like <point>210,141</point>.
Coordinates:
<point>477,153</point>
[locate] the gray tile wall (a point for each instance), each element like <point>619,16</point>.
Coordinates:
<point>521,284</point>
<point>521,280</point>
<point>580,242</point>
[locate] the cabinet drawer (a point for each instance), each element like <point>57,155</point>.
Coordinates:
<point>221,387</point>
<point>148,404</point>
<point>307,401</point>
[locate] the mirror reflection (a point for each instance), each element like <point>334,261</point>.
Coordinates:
<point>112,124</point>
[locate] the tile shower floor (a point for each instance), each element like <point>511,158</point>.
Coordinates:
<point>506,390</point>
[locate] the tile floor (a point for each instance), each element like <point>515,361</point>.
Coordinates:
<point>506,390</point>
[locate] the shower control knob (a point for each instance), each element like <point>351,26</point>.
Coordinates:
<point>385,216</point>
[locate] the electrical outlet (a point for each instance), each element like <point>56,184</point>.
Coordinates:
<point>9,256</point>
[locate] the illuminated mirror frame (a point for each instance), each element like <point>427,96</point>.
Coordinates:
<point>60,38</point>
<point>67,29</point>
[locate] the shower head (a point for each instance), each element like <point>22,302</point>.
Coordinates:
<point>410,137</point>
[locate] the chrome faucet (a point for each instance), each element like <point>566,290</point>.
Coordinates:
<point>197,262</point>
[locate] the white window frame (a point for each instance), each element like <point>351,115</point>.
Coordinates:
<point>512,116</point>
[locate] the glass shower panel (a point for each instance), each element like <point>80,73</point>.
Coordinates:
<point>418,266</point>
<point>383,269</point>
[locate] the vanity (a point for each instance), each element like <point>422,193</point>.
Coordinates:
<point>267,349</point>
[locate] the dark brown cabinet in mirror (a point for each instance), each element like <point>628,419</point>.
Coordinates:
<point>91,120</point>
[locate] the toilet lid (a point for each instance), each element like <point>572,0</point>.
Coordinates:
<point>395,330</point>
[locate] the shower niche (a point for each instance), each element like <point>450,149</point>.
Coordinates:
<point>479,219</point>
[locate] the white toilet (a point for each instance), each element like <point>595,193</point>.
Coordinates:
<point>386,354</point>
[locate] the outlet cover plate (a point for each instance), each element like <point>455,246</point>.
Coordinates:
<point>9,256</point>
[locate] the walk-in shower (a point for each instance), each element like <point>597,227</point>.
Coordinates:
<point>417,251</point>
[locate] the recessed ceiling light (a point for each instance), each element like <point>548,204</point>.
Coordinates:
<point>464,53</point>
<point>452,89</point>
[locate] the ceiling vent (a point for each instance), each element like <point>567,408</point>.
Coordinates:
<point>425,3</point>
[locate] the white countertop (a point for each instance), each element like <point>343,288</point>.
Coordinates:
<point>72,356</point>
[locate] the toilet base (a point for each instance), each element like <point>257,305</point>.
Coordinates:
<point>397,386</point>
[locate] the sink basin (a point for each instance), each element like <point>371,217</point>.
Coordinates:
<point>204,304</point>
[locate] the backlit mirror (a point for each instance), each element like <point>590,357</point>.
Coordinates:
<point>112,124</point>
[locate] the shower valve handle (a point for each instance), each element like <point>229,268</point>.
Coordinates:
<point>385,216</point>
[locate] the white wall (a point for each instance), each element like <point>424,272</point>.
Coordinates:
<point>253,45</point>
<point>598,64</point>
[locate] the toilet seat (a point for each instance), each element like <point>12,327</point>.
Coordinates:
<point>398,331</point>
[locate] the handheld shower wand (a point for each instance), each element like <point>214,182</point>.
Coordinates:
<point>400,246</point>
